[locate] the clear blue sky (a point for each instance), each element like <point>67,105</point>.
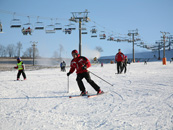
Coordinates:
<point>119,16</point>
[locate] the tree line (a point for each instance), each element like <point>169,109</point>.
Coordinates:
<point>14,50</point>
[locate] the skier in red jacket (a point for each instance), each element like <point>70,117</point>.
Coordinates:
<point>119,58</point>
<point>81,63</point>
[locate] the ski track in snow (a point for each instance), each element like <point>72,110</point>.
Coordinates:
<point>141,99</point>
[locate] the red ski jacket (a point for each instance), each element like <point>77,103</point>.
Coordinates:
<point>119,57</point>
<point>78,62</point>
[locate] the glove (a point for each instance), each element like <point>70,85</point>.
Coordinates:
<point>68,73</point>
<point>84,67</point>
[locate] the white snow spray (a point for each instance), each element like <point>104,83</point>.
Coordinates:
<point>90,54</point>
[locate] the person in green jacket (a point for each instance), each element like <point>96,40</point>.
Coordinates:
<point>20,67</point>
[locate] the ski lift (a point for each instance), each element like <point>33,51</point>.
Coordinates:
<point>102,35</point>
<point>15,23</point>
<point>27,28</point>
<point>39,25</point>
<point>93,31</point>
<point>50,28</point>
<point>67,29</point>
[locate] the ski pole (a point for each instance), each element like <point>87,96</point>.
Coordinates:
<point>100,78</point>
<point>67,84</point>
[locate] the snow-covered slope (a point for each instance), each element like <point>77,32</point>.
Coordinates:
<point>141,99</point>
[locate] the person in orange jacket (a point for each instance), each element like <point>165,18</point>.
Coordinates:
<point>81,63</point>
<point>20,67</point>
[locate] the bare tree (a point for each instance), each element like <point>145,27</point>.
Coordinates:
<point>99,49</point>
<point>2,51</point>
<point>19,47</point>
<point>29,52</point>
<point>11,50</point>
<point>61,48</point>
<point>55,55</point>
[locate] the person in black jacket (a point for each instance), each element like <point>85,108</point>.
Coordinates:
<point>125,64</point>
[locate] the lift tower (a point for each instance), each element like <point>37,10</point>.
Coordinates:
<point>34,44</point>
<point>133,33</point>
<point>164,40</point>
<point>80,17</point>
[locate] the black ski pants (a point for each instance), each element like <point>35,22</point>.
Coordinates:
<point>119,67</point>
<point>88,79</point>
<point>21,72</point>
<point>124,68</point>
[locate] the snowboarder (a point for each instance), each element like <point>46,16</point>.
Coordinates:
<point>20,67</point>
<point>119,58</point>
<point>81,63</point>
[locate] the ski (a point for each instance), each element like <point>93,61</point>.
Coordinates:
<point>18,80</point>
<point>94,95</point>
<point>76,96</point>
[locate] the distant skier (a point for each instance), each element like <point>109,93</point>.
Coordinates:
<point>20,67</point>
<point>63,65</point>
<point>101,64</point>
<point>81,63</point>
<point>125,64</point>
<point>119,58</point>
<point>145,62</point>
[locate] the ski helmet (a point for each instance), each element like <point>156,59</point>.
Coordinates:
<point>74,51</point>
<point>18,59</point>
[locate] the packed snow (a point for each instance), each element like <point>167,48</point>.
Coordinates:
<point>141,99</point>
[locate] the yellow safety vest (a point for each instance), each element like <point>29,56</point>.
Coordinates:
<point>20,65</point>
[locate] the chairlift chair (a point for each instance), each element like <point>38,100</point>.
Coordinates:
<point>15,23</point>
<point>27,29</point>
<point>117,39</point>
<point>39,26</point>
<point>67,29</point>
<point>93,31</point>
<point>84,32</point>
<point>102,35</point>
<point>58,26</point>
<point>84,29</point>
<point>50,28</point>
<point>72,26</point>
<point>110,38</point>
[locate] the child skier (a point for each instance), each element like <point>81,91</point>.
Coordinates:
<point>81,63</point>
<point>20,67</point>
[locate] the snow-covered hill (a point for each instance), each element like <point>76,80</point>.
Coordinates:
<point>141,99</point>
<point>142,56</point>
